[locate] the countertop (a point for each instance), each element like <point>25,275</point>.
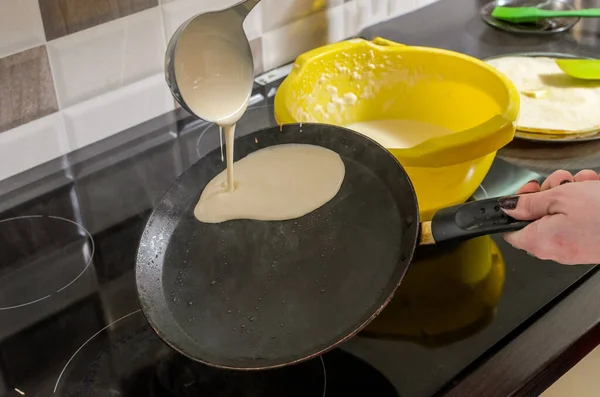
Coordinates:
<point>550,344</point>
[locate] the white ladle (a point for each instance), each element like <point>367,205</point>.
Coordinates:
<point>209,66</point>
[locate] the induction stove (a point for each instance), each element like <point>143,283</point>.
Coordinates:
<point>70,322</point>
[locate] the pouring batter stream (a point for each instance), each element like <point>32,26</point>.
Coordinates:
<point>277,183</point>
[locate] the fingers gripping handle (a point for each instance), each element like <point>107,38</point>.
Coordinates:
<point>465,221</point>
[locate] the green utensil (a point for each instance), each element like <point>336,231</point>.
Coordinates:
<point>532,14</point>
<point>587,69</point>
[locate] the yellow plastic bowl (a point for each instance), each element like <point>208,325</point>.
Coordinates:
<point>393,81</point>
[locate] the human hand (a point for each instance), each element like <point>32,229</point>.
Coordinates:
<point>565,211</point>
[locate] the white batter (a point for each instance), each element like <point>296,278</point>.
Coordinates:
<point>284,182</point>
<point>398,134</point>
<point>276,183</point>
<point>215,79</point>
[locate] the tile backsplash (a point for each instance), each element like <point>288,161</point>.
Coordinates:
<point>73,72</point>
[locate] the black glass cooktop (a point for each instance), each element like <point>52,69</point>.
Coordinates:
<point>70,323</point>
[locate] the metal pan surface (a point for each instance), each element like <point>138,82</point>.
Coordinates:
<point>252,295</point>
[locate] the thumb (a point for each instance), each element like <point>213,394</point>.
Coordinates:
<point>525,239</point>
<point>529,207</point>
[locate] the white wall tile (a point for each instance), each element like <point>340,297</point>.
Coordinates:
<point>372,12</point>
<point>278,13</point>
<point>108,114</point>
<point>423,3</point>
<point>176,12</point>
<point>20,26</point>
<point>256,48</point>
<point>283,45</point>
<point>401,7</point>
<point>108,56</point>
<point>32,144</point>
<point>253,25</point>
<point>335,24</point>
<point>351,19</point>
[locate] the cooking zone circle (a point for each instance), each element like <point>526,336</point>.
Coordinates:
<point>126,358</point>
<point>41,255</point>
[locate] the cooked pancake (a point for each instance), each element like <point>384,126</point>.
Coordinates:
<point>551,101</point>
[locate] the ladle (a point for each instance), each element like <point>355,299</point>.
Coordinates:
<point>212,45</point>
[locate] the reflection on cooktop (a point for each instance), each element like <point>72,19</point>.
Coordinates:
<point>127,359</point>
<point>446,296</point>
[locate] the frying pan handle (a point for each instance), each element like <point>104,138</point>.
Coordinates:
<point>469,220</point>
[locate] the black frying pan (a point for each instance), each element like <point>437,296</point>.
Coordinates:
<point>250,294</point>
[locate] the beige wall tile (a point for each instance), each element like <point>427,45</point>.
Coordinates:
<point>20,26</point>
<point>26,88</point>
<point>63,17</point>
